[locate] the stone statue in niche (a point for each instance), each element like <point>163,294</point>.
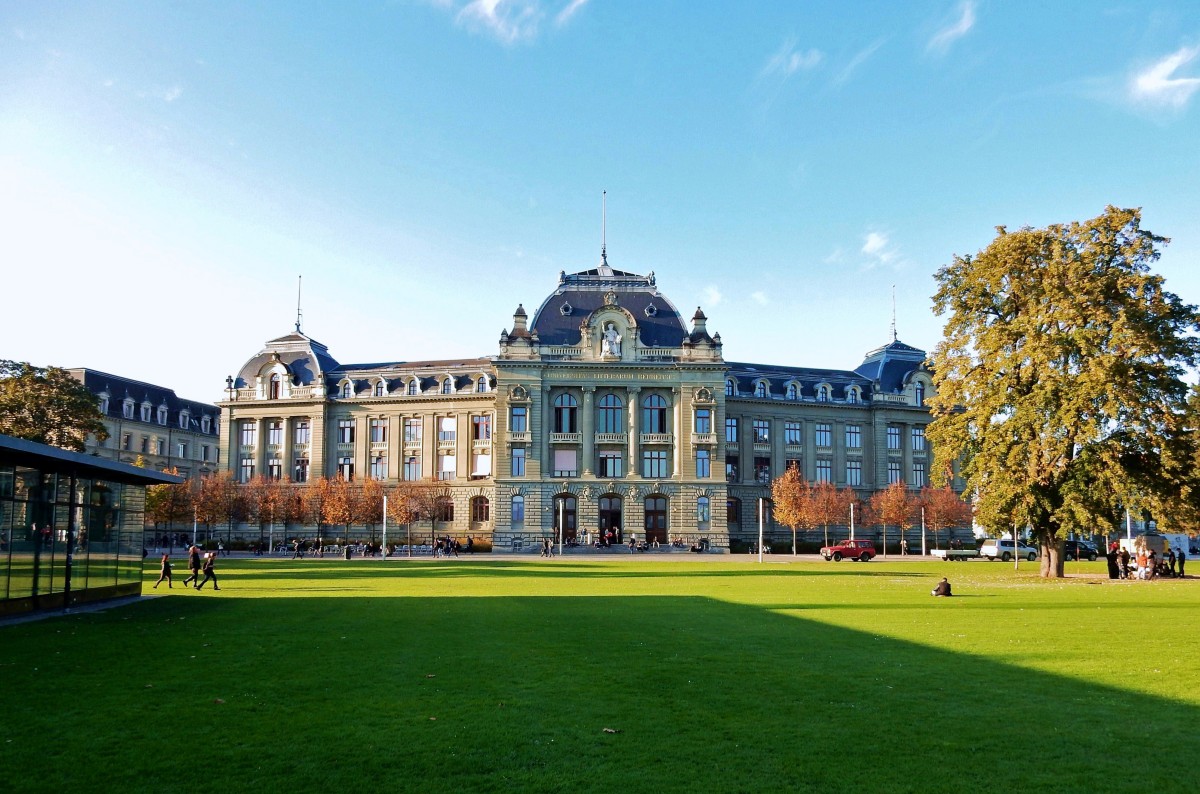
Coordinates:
<point>610,345</point>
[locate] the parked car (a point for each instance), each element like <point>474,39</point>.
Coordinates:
<point>1080,550</point>
<point>857,550</point>
<point>1002,548</point>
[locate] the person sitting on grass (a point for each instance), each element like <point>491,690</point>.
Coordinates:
<point>942,589</point>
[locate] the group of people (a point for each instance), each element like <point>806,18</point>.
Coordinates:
<point>197,563</point>
<point>1144,563</point>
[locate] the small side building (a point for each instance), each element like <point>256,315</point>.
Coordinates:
<point>70,526</point>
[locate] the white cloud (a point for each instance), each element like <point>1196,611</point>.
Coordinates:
<point>878,250</point>
<point>510,21</point>
<point>712,296</point>
<point>565,15</point>
<point>759,297</point>
<point>788,60</point>
<point>942,40</point>
<point>859,58</point>
<point>1156,85</point>
<point>172,93</point>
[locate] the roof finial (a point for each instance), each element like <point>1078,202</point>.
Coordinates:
<point>893,312</point>
<point>603,227</point>
<point>299,313</point>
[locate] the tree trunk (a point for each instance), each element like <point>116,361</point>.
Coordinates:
<point>1051,559</point>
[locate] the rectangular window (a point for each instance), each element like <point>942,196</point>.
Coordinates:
<point>762,431</point>
<point>566,463</point>
<point>481,465</point>
<point>893,437</point>
<point>447,467</point>
<point>823,435</point>
<point>854,472</point>
<point>412,431</point>
<point>204,452</point>
<point>731,430</point>
<point>518,510</point>
<point>481,428</point>
<point>145,448</point>
<point>918,439</point>
<point>610,464</point>
<point>481,510</point>
<point>345,431</point>
<point>703,464</point>
<point>792,434</point>
<point>300,472</point>
<point>791,463</point>
<point>447,430</point>
<point>703,420</point>
<point>518,419</point>
<point>127,410</point>
<point>731,468</point>
<point>346,468</point>
<point>160,447</point>
<point>412,468</point>
<point>181,449</point>
<point>249,433</point>
<point>853,436</point>
<point>126,441</point>
<point>894,473</point>
<point>918,475</point>
<point>518,461</point>
<point>378,429</point>
<point>654,463</point>
<point>275,432</point>
<point>274,469</point>
<point>246,473</point>
<point>824,470</point>
<point>379,467</point>
<point>762,471</point>
<point>303,432</point>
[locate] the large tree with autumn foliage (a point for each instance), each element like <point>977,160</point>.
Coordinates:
<point>47,405</point>
<point>1060,379</point>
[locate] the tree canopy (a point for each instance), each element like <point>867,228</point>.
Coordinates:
<point>47,405</point>
<point>1060,378</point>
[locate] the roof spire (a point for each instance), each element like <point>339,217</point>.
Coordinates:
<point>893,312</point>
<point>299,313</point>
<point>603,227</point>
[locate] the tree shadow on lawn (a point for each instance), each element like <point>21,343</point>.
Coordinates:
<point>487,694</point>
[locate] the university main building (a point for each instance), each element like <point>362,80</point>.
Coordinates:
<point>605,411</point>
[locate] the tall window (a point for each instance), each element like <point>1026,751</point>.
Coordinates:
<point>518,419</point>
<point>564,516</point>
<point>703,420</point>
<point>303,432</point>
<point>518,511</point>
<point>127,409</point>
<point>918,475</point>
<point>518,461</point>
<point>379,467</point>
<point>654,463</point>
<point>249,433</point>
<point>762,431</point>
<point>853,436</point>
<point>414,387</point>
<point>733,510</point>
<point>824,393</point>
<point>448,386</point>
<point>481,509</point>
<point>731,468</point>
<point>792,434</point>
<point>204,452</point>
<point>347,389</point>
<point>145,445</point>
<point>609,415</point>
<point>894,473</point>
<point>247,469</point>
<point>181,449</point>
<point>565,409</point>
<point>447,467</point>
<point>920,391</point>
<point>346,468</point>
<point>824,470</point>
<point>481,385</point>
<point>918,439</point>
<point>852,394</point>
<point>127,441</point>
<point>654,414</point>
<point>656,518</point>
<point>443,509</point>
<point>378,430</point>
<point>273,393</point>
<point>893,437</point>
<point>380,389</point>
<point>791,391</point>
<point>731,430</point>
<point>300,471</point>
<point>275,431</point>
<point>854,472</point>
<point>481,428</point>
<point>762,470</point>
<point>274,469</point>
<point>345,431</point>
<point>162,415</point>
<point>412,468</point>
<point>412,431</point>
<point>205,424</point>
<point>609,464</point>
<point>703,512</point>
<point>160,446</point>
<point>760,389</point>
<point>730,389</point>
<point>447,430</point>
<point>184,420</point>
<point>566,463</point>
<point>703,464</point>
<point>823,435</point>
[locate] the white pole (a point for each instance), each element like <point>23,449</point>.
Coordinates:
<point>852,521</point>
<point>1128,525</point>
<point>194,522</point>
<point>271,536</point>
<point>923,551</point>
<point>760,528</point>
<point>384,541</point>
<point>562,506</point>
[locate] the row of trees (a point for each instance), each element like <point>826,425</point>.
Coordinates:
<point>800,504</point>
<point>334,501</point>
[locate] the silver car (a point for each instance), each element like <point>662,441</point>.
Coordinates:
<point>1002,549</point>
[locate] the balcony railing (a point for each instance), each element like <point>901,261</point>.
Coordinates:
<point>481,443</point>
<point>657,438</point>
<point>611,438</point>
<point>761,446</point>
<point>519,437</point>
<point>793,449</point>
<point>412,443</point>
<point>564,438</point>
<point>704,438</point>
<point>378,446</point>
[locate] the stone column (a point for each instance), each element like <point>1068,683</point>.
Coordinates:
<point>587,426</point>
<point>260,447</point>
<point>678,434</point>
<point>631,469</point>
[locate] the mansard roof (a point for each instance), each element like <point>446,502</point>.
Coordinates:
<point>119,389</point>
<point>808,378</point>
<point>306,358</point>
<point>890,366</point>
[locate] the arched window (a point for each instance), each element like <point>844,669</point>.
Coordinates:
<point>610,516</point>
<point>791,391</point>
<point>443,509</point>
<point>448,386</point>
<point>380,389</point>
<point>610,415</point>
<point>760,389</point>
<point>481,510</point>
<point>565,408</point>
<point>730,388</point>
<point>413,386</point>
<point>481,385</point>
<point>920,390</point>
<point>347,389</point>
<point>703,513</point>
<point>518,511</point>
<point>654,414</point>
<point>273,392</point>
<point>852,394</point>
<point>564,517</point>
<point>656,519</point>
<point>823,393</point>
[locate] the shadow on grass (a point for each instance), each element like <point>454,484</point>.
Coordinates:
<point>487,694</point>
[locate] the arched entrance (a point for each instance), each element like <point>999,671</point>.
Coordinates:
<point>610,517</point>
<point>564,518</point>
<point>656,519</point>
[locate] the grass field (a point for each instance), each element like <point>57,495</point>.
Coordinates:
<point>582,675</point>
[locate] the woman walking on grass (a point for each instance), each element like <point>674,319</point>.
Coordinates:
<point>165,572</point>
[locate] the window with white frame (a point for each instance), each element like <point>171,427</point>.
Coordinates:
<point>918,439</point>
<point>481,427</point>
<point>517,456</point>
<point>274,469</point>
<point>104,404</point>
<point>824,393</point>
<point>246,470</point>
<point>302,432</point>
<point>824,470</point>
<point>703,464</point>
<point>448,386</point>
<point>481,465</point>
<point>447,430</point>
<point>205,424</point>
<point>380,389</point>
<point>300,470</point>
<point>792,434</point>
<point>414,387</point>
<point>345,430</point>
<point>518,419</point>
<point>181,449</point>
<point>792,393</point>
<point>275,431</point>
<point>610,464</point>
<point>160,447</point>
<point>760,389</point>
<point>162,414</point>
<point>379,467</point>
<point>412,468</point>
<point>204,452</point>
<point>482,385</point>
<point>378,429</point>
<point>127,409</point>
<point>249,435</point>
<point>184,420</point>
<point>127,441</point>
<point>412,431</point>
<point>823,434</point>
<point>146,412</point>
<point>447,466</point>
<point>853,436</point>
<point>346,468</point>
<point>893,437</point>
<point>347,389</point>
<point>894,472</point>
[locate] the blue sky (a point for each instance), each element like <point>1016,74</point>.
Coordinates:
<point>167,170</point>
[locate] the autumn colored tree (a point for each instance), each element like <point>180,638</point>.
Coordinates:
<point>1061,378</point>
<point>313,498</point>
<point>943,509</point>
<point>368,504</point>
<point>213,496</point>
<point>47,405</point>
<point>420,498</point>
<point>892,506</point>
<point>266,500</point>
<point>170,502</point>
<point>794,503</point>
<point>831,504</point>
<point>339,504</point>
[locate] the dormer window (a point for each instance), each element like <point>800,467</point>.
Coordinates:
<point>206,424</point>
<point>852,394</point>
<point>183,420</point>
<point>347,390</point>
<point>448,385</point>
<point>127,409</point>
<point>104,404</point>
<point>760,389</point>
<point>791,391</point>
<point>920,393</point>
<point>273,389</point>
<point>380,389</point>
<point>413,387</point>
<point>481,385</point>
<point>146,412</point>
<point>730,388</point>
<point>824,393</point>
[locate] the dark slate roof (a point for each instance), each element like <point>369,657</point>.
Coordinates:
<point>19,452</point>
<point>119,388</point>
<point>746,375</point>
<point>659,322</point>
<point>362,375</point>
<point>305,357</point>
<point>889,366</point>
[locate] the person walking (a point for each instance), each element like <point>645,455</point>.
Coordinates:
<point>164,572</point>
<point>1181,558</point>
<point>193,564</point>
<point>296,549</point>
<point>903,547</point>
<point>209,573</point>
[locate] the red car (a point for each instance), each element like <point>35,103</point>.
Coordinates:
<point>858,550</point>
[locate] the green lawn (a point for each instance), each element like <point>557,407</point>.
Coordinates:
<point>493,675</point>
